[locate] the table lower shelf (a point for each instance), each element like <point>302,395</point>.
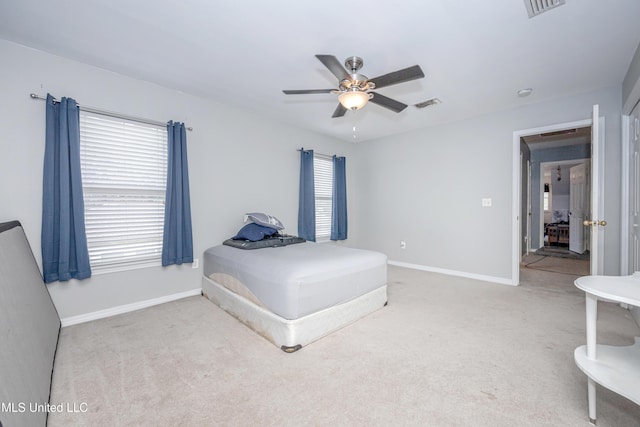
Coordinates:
<point>616,368</point>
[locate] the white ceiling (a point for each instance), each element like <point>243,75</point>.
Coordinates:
<point>475,54</point>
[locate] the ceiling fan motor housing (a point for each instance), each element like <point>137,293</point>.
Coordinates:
<point>357,82</point>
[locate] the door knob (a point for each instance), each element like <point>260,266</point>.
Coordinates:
<point>594,222</point>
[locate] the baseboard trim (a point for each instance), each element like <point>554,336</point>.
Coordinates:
<point>114,311</point>
<point>492,279</point>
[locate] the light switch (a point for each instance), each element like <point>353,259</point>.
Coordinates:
<point>486,203</point>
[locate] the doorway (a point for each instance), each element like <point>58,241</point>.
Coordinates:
<point>555,150</point>
<point>557,205</point>
<point>596,223</point>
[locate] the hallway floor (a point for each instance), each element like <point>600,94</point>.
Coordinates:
<point>552,273</point>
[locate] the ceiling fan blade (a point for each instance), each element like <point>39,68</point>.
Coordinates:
<point>303,92</point>
<point>340,111</point>
<point>400,76</point>
<point>332,63</point>
<point>386,102</point>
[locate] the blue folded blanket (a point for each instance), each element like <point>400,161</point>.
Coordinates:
<point>254,232</point>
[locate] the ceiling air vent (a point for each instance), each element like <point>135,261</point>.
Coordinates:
<point>428,102</point>
<point>536,7</point>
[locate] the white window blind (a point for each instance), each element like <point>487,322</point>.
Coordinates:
<point>546,201</point>
<point>124,169</point>
<point>323,181</point>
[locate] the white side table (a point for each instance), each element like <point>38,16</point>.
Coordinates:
<point>613,367</point>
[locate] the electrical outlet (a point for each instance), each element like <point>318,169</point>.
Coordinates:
<point>195,263</point>
<point>486,203</point>
<point>403,244</point>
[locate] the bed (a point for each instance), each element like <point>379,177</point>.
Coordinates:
<point>557,233</point>
<point>293,295</point>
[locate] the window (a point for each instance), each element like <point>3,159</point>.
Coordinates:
<point>546,201</point>
<point>323,181</point>
<point>124,172</point>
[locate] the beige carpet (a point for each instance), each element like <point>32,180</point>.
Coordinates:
<point>446,351</point>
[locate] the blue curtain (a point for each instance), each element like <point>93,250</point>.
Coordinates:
<point>177,242</point>
<point>307,199</point>
<point>339,200</point>
<point>64,242</point>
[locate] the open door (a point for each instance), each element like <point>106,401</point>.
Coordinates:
<point>578,207</point>
<point>528,213</point>
<point>596,223</point>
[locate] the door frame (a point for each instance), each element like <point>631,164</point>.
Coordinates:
<point>625,224</point>
<point>516,238</point>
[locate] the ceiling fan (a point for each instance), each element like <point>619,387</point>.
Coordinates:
<point>355,90</point>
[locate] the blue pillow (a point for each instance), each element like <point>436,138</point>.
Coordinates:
<point>254,232</point>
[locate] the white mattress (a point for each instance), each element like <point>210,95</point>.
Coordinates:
<point>297,280</point>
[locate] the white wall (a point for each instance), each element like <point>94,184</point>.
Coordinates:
<point>426,187</point>
<point>238,163</point>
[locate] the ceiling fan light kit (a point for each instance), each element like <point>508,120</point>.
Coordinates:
<point>354,100</point>
<point>355,90</point>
